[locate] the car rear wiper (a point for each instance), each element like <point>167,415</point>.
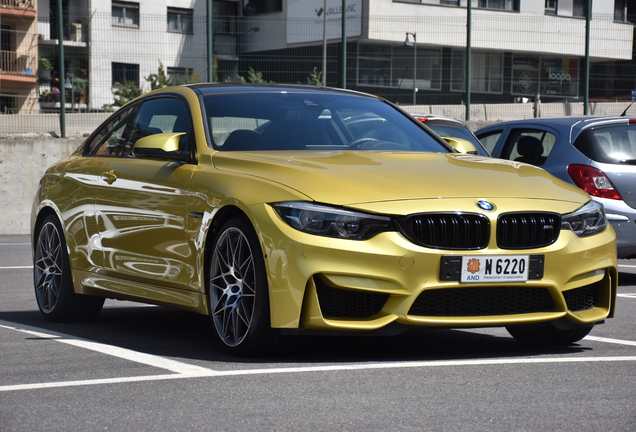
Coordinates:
<point>628,161</point>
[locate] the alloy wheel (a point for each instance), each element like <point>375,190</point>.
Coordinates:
<point>232,286</point>
<point>48,265</point>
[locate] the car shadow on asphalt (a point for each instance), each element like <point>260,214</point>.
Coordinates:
<point>188,336</point>
<point>626,279</point>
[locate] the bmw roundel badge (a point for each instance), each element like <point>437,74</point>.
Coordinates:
<point>485,205</point>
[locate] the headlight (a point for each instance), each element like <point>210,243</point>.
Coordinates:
<point>329,221</point>
<point>586,221</point>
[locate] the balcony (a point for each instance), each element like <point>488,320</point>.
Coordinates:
<point>17,67</point>
<point>19,8</point>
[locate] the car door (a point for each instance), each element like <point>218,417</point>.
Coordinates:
<point>141,204</point>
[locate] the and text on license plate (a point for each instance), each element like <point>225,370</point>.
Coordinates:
<point>490,268</point>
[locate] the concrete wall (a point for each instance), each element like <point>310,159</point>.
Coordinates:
<point>22,164</point>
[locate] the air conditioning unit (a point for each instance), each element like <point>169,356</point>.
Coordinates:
<point>76,32</point>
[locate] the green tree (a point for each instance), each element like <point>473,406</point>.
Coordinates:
<point>161,79</point>
<point>253,77</point>
<point>125,93</point>
<point>315,78</point>
<point>158,80</point>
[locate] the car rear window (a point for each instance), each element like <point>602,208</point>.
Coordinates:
<point>609,144</point>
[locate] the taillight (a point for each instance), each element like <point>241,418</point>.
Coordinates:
<point>593,181</point>
<point>422,119</point>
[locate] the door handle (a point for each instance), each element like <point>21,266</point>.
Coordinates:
<point>109,177</point>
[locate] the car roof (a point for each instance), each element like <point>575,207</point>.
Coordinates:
<point>575,124</point>
<point>217,88</point>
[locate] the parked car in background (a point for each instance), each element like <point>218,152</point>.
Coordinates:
<point>596,153</point>
<point>454,131</point>
<point>279,209</point>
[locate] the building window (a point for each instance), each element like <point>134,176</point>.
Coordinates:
<point>620,11</point>
<point>254,7</point>
<point>449,2</point>
<point>385,66</point>
<point>125,14</point>
<point>509,5</point>
<point>549,76</point>
<point>579,8</point>
<point>486,72</point>
<point>551,7</point>
<point>125,72</point>
<point>8,104</point>
<point>180,20</point>
<point>374,66</point>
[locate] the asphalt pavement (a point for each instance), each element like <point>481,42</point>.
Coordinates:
<point>146,368</point>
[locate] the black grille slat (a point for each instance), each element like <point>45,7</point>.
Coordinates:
<point>482,301</point>
<point>344,303</point>
<point>461,231</point>
<point>583,298</point>
<point>527,230</point>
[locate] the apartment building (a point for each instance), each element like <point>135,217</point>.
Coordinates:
<point>519,48</point>
<point>405,50</point>
<point>18,57</point>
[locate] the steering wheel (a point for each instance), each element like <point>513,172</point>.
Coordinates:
<point>375,144</point>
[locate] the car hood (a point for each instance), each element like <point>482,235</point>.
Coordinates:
<point>357,177</point>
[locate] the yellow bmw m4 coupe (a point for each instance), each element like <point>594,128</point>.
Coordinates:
<point>280,210</point>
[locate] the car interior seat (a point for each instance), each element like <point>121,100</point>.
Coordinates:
<point>242,140</point>
<point>530,150</point>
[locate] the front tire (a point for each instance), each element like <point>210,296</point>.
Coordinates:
<point>547,334</point>
<point>52,278</point>
<point>238,291</point>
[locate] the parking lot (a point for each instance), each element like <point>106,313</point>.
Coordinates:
<point>144,368</point>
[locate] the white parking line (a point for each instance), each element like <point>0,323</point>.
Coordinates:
<point>609,340</point>
<point>626,295</point>
<point>15,267</point>
<point>185,370</point>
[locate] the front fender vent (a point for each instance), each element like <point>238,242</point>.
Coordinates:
<point>346,303</point>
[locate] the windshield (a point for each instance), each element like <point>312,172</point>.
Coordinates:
<point>312,121</point>
<point>609,144</point>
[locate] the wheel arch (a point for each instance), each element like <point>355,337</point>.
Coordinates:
<point>44,212</point>
<point>222,216</point>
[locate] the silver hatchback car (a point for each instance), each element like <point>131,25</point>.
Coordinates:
<point>596,153</point>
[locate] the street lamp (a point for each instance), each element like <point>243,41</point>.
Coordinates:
<point>408,43</point>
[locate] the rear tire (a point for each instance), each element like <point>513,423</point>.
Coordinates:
<point>547,334</point>
<point>52,278</point>
<point>238,291</point>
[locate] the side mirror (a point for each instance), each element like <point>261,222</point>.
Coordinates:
<point>461,145</point>
<point>161,146</point>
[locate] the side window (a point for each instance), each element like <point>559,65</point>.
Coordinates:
<point>110,138</point>
<point>161,115</point>
<point>489,140</point>
<point>532,146</point>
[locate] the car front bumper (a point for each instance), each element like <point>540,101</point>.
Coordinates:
<point>322,283</point>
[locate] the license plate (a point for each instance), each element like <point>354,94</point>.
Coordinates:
<point>500,268</point>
